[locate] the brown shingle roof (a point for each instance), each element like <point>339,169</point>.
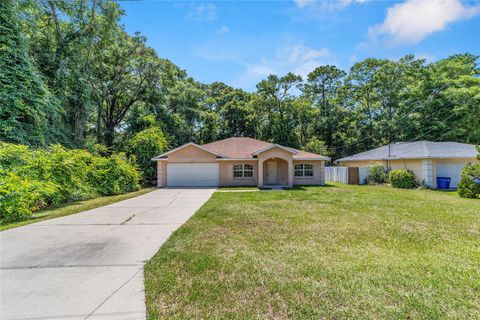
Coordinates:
<point>243,148</point>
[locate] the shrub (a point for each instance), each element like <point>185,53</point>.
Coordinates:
<point>469,185</point>
<point>376,174</point>
<point>401,178</point>
<point>20,197</point>
<point>113,175</point>
<point>145,145</point>
<point>31,179</point>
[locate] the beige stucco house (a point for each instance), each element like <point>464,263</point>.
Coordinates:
<point>427,160</point>
<point>239,162</point>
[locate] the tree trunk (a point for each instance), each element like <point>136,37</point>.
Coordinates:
<point>99,123</point>
<point>109,134</point>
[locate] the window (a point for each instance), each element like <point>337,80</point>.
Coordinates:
<point>243,171</point>
<point>303,170</point>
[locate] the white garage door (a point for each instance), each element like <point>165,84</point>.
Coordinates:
<point>192,174</point>
<point>451,169</point>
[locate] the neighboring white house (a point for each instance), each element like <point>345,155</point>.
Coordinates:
<point>427,160</point>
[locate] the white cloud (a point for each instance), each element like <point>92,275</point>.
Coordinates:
<point>203,13</point>
<point>303,3</point>
<point>223,29</point>
<point>414,20</point>
<point>299,59</point>
<point>328,5</point>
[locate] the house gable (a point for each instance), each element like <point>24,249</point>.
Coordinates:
<point>275,152</point>
<point>192,154</point>
<point>189,152</point>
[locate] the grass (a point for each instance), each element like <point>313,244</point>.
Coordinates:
<point>72,208</point>
<point>238,189</point>
<point>336,252</point>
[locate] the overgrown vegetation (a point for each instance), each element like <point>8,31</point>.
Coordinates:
<point>376,174</point>
<point>32,179</point>
<point>71,74</point>
<point>145,145</point>
<point>333,252</point>
<point>401,178</point>
<point>469,185</point>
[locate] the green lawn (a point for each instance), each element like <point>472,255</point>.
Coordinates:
<point>75,207</point>
<point>238,189</point>
<point>334,252</point>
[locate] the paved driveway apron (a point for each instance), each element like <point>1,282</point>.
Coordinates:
<point>90,265</point>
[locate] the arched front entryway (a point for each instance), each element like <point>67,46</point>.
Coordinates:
<point>281,159</point>
<point>275,172</point>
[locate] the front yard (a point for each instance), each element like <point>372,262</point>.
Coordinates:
<point>322,253</point>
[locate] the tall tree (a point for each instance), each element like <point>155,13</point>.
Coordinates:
<point>121,77</point>
<point>321,88</point>
<point>63,35</point>
<point>27,109</point>
<point>275,104</point>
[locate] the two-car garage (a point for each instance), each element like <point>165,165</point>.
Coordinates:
<point>193,175</point>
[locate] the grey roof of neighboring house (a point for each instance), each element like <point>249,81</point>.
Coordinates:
<point>417,150</point>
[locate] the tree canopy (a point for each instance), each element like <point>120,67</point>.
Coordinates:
<point>71,74</point>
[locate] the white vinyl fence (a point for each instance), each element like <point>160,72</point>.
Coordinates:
<point>337,174</point>
<point>340,174</point>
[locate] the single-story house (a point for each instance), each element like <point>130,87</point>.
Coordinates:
<point>426,159</point>
<point>238,161</point>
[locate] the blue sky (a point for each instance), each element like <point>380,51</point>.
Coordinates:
<point>241,42</point>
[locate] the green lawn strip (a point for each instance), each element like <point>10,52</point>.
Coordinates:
<point>335,252</point>
<point>75,207</point>
<point>238,189</point>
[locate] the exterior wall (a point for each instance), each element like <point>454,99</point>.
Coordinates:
<point>272,154</point>
<point>362,163</point>
<point>318,173</point>
<point>226,174</point>
<point>282,171</point>
<point>427,172</point>
<point>424,169</point>
<point>457,163</point>
<point>415,165</point>
<point>191,154</point>
<point>161,174</point>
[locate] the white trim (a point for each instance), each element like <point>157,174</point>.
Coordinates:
<point>184,146</point>
<point>273,146</point>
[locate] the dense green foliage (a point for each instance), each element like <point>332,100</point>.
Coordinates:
<point>401,178</point>
<point>71,74</point>
<point>31,179</point>
<point>145,145</point>
<point>27,109</point>
<point>376,174</point>
<point>469,185</point>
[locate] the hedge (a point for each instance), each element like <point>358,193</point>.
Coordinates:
<point>376,174</point>
<point>32,179</point>
<point>469,186</point>
<point>401,178</point>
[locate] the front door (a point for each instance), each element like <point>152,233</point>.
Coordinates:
<point>272,173</point>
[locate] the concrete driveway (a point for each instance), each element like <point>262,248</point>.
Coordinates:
<point>90,265</point>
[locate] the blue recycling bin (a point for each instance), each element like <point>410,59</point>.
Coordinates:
<point>443,183</point>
